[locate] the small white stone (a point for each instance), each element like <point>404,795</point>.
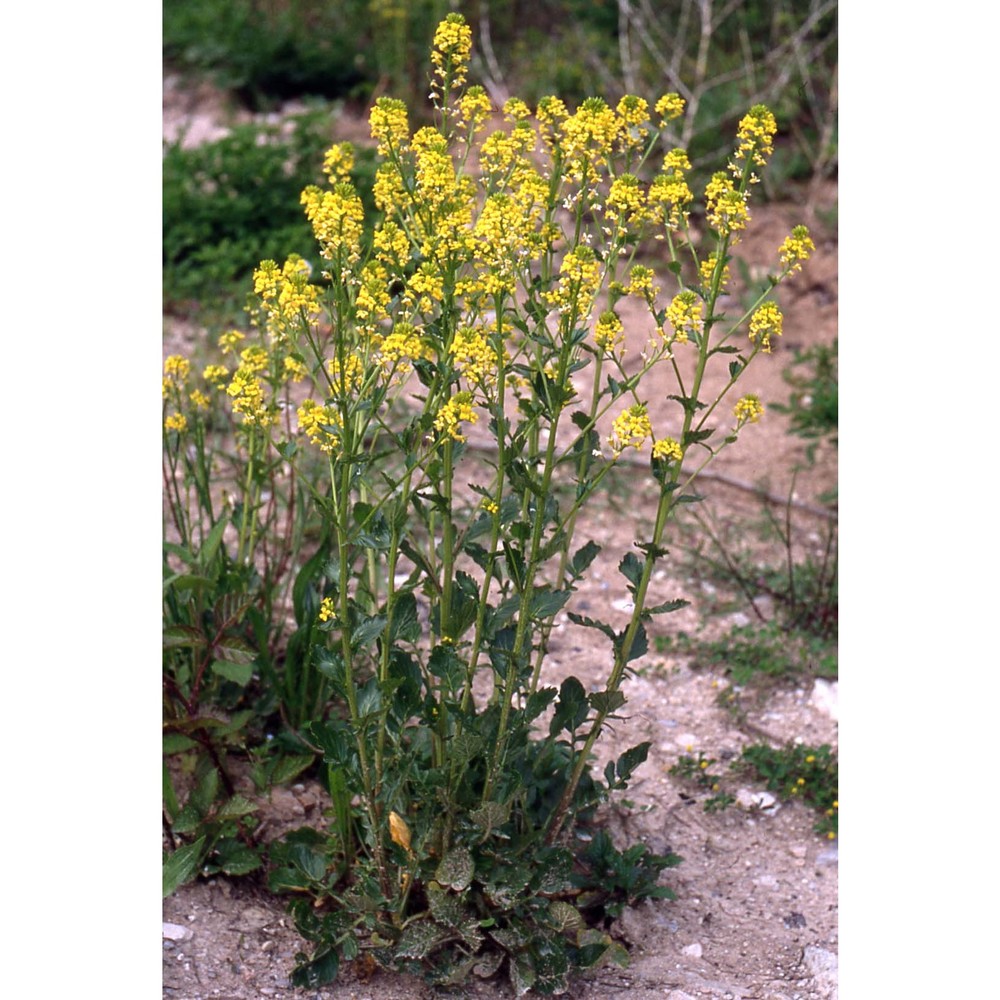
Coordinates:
<point>798,850</point>
<point>177,932</point>
<point>692,950</point>
<point>824,697</point>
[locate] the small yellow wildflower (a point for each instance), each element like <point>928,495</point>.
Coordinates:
<point>765,323</point>
<point>686,314</point>
<point>640,283</point>
<point>337,219</point>
<point>796,249</point>
<point>810,759</point>
<point>801,781</point>
<point>254,359</point>
<point>339,162</point>
<point>176,422</point>
<point>609,332</point>
<point>216,375</point>
<point>627,199</point>
<point>389,125</point>
<point>452,48</point>
<point>177,368</point>
<point>749,409</point>
<point>295,370</point>
<point>491,506</point>
<point>326,609</point>
<point>453,413</point>
<point>726,208</point>
<point>831,835</point>
<point>668,107</point>
<point>265,282</point>
<point>231,339</point>
<point>248,397</point>
<point>199,399</point>
<point>668,449</point>
<point>707,271</point>
<point>630,429</point>
<point>349,378</point>
<point>320,423</point>
<point>755,135</point>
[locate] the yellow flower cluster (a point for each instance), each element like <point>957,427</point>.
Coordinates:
<point>669,190</point>
<point>321,424</point>
<point>630,429</point>
<point>755,138</point>
<point>254,359</point>
<point>475,358</point>
<point>389,125</point>
<point>474,108</point>
<point>725,207</point>
<point>588,136</point>
<point>372,301</point>
<point>401,347</point>
<point>764,324</point>
<point>337,218</point>
<point>175,422</point>
<point>425,287</point>
<point>748,409</point>
<point>551,112</point>
<point>231,339</point>
<point>347,379</point>
<point>248,398</point>
<point>686,314</point>
<point>707,271</point>
<point>667,449</point>
<point>634,114</point>
<point>286,295</point>
<point>452,48</point>
<point>641,283</point>
<point>796,249</point>
<point>339,162</point>
<point>295,370</point>
<point>626,199</point>
<point>608,332</point>
<point>579,279</point>
<point>216,375</point>
<point>668,107</point>
<point>177,368</point>
<point>450,417</point>
<point>327,609</point>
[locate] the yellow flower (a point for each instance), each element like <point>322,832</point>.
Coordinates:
<point>389,125</point>
<point>608,332</point>
<point>765,323</point>
<point>755,135</point>
<point>725,207</point>
<point>640,283</point>
<point>326,609</point>
<point>295,371</point>
<point>232,338</point>
<point>320,424</point>
<point>199,399</point>
<point>215,375</point>
<point>686,314</point>
<point>177,368</point>
<point>796,249</point>
<point>707,271</point>
<point>474,108</point>
<point>626,198</point>
<point>337,218</point>
<point>669,106</point>
<point>630,429</point>
<point>451,415</point>
<point>338,162</point>
<point>749,409</point>
<point>248,397</point>
<point>668,449</point>
<point>175,422</point>
<point>452,47</point>
<point>254,359</point>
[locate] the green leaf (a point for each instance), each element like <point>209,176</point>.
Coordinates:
<point>237,806</point>
<point>571,709</point>
<point>287,768</point>
<point>564,916</point>
<point>583,558</point>
<point>631,568</point>
<point>630,760</point>
<point>607,701</point>
<point>183,635</point>
<point>490,815</point>
<point>212,543</point>
<point>419,939</point>
<point>405,624</point>
<point>234,649</point>
<point>177,743</point>
<point>235,858</point>
<point>668,606</point>
<point>456,869</point>
<point>181,866</point>
<point>237,673</point>
<point>321,969</point>
<point>545,602</point>
<point>593,623</point>
<point>368,631</point>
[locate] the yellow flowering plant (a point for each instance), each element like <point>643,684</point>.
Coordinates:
<point>450,402</point>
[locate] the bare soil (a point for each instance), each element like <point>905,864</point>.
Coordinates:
<point>756,908</point>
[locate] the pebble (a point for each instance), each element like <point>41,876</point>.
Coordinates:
<point>798,850</point>
<point>177,932</point>
<point>692,950</point>
<point>256,917</point>
<point>821,964</point>
<point>824,697</point>
<point>679,995</point>
<point>763,802</point>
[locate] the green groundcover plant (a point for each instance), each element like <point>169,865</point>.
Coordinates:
<point>365,537</point>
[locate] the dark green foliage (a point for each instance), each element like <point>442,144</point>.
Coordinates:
<point>230,204</point>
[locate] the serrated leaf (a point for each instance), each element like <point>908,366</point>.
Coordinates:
<point>592,623</point>
<point>564,916</point>
<point>175,636</point>
<point>235,858</point>
<point>571,709</point>
<point>235,672</point>
<point>631,568</point>
<point>456,869</point>
<point>607,701</point>
<point>419,939</point>
<point>490,815</point>
<point>321,969</point>
<point>546,603</point>
<point>666,607</point>
<point>368,631</point>
<point>287,768</point>
<point>631,759</point>
<point>463,747</point>
<point>583,557</point>
<point>234,649</point>
<point>181,866</point>
<point>235,807</point>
